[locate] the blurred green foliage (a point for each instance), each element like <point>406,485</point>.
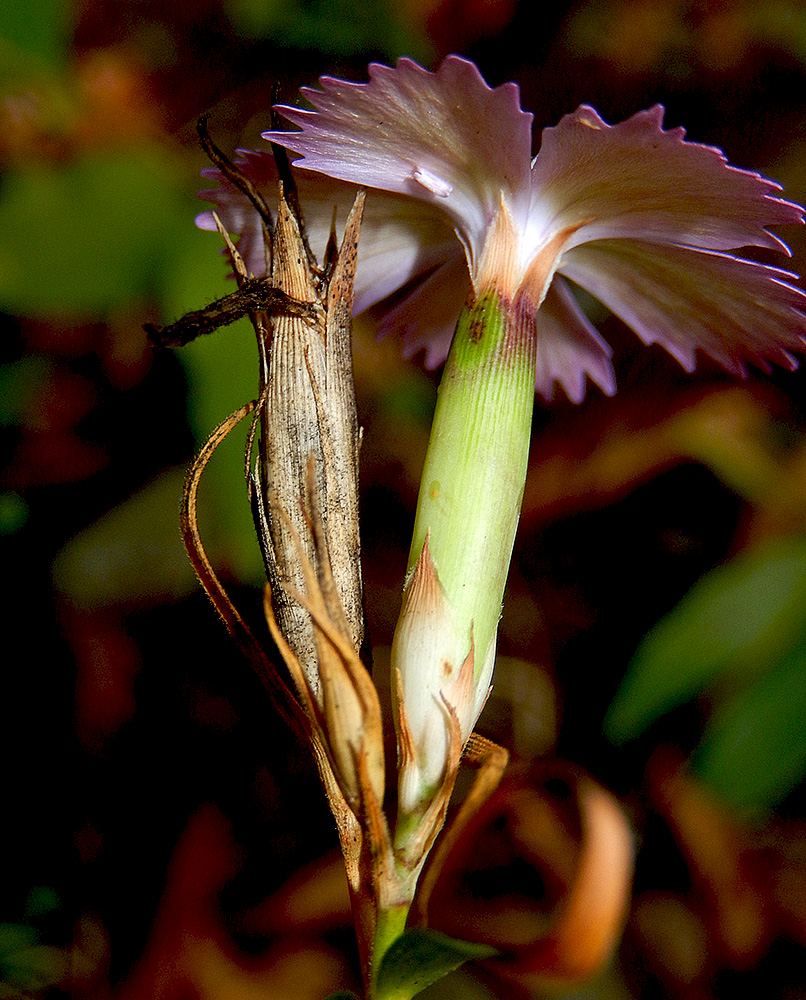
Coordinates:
<point>334,27</point>
<point>91,235</point>
<point>19,382</point>
<point>739,634</point>
<point>132,555</point>
<point>753,751</point>
<point>38,27</point>
<point>104,232</point>
<point>26,965</point>
<point>13,512</point>
<point>114,229</point>
<point>673,38</point>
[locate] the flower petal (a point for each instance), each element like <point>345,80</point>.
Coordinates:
<point>400,239</point>
<point>444,138</point>
<point>236,212</point>
<point>732,309</point>
<point>569,348</point>
<point>636,180</point>
<point>426,317</point>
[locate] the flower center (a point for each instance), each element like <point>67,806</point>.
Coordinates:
<point>540,270</point>
<point>502,269</point>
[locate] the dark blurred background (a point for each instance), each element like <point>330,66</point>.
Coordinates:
<point>151,797</point>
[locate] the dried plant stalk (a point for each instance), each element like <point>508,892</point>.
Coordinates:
<point>308,452</point>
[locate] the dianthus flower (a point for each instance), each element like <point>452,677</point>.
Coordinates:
<point>637,216</point>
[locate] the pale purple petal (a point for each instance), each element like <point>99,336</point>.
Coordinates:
<point>426,317</point>
<point>734,310</point>
<point>401,239</point>
<point>635,180</point>
<point>638,217</point>
<point>236,211</point>
<point>444,138</point>
<point>569,348</point>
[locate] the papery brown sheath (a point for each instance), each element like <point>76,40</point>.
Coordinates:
<point>307,470</point>
<point>302,479</point>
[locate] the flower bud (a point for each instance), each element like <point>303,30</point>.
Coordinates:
<point>467,513</point>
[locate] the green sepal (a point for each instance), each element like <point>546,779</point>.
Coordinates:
<point>419,958</point>
<point>475,467</point>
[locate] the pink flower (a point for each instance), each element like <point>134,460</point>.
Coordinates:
<point>636,216</point>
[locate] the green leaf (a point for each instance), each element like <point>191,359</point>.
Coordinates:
<point>34,969</point>
<point>38,27</point>
<point>21,383</point>
<point>14,513</point>
<point>753,752</point>
<point>741,617</point>
<point>14,938</point>
<point>24,963</point>
<point>133,554</point>
<point>335,27</point>
<point>419,958</point>
<point>42,899</point>
<point>39,85</point>
<point>81,238</point>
